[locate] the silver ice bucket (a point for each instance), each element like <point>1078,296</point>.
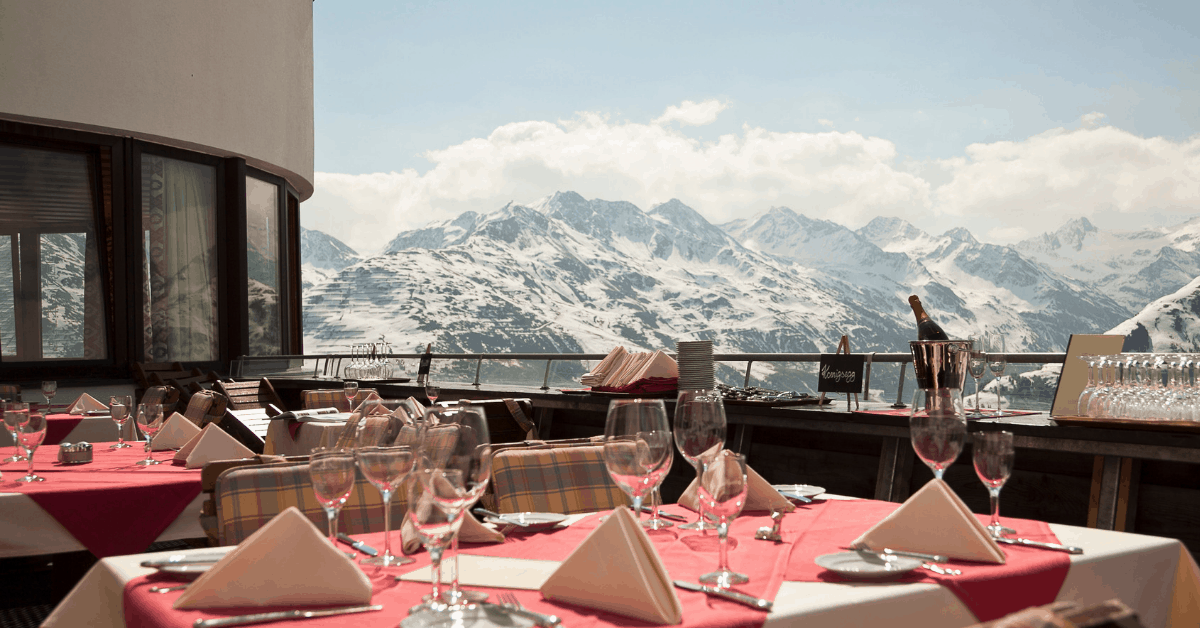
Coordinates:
<point>940,363</point>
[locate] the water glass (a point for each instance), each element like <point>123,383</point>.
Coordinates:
<point>997,361</point>
<point>49,388</point>
<point>351,391</point>
<point>437,502</point>
<point>16,414</point>
<point>994,456</point>
<point>118,407</point>
<point>937,428</point>
<point>386,469</point>
<point>637,441</point>
<point>332,475</point>
<point>723,490</point>
<point>432,390</point>
<point>30,435</point>
<point>700,428</point>
<point>149,420</point>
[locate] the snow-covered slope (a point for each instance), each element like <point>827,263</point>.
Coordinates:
<point>1171,323</point>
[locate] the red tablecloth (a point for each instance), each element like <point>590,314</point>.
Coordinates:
<point>58,426</point>
<point>1030,577</point>
<point>111,505</point>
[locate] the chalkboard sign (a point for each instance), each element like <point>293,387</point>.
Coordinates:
<point>841,373</point>
<point>423,367</point>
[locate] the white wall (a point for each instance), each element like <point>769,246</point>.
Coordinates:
<point>225,77</point>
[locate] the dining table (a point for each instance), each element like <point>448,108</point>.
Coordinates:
<point>1155,576</point>
<point>62,427</point>
<point>110,506</point>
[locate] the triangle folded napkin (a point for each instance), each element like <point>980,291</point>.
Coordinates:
<point>616,570</point>
<point>935,521</point>
<point>286,562</point>
<point>759,495</point>
<point>85,403</point>
<point>212,443</point>
<point>471,532</point>
<point>175,433</point>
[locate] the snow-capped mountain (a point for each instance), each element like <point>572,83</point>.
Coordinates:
<point>1171,323</point>
<point>325,251</point>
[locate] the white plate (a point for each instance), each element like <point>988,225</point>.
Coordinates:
<point>803,490</point>
<point>188,571</point>
<point>532,520</point>
<point>480,616</point>
<point>853,565</point>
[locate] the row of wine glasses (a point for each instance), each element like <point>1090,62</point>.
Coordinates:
<point>370,361</point>
<point>28,429</point>
<point>1145,386</point>
<point>987,354</point>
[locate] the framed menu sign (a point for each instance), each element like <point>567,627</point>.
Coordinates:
<point>841,373</point>
<point>423,367</point>
<point>1073,379</point>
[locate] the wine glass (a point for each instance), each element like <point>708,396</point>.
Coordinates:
<point>937,427</point>
<point>993,454</point>
<point>699,427</point>
<point>636,446</point>
<point>31,434</point>
<point>458,439</point>
<point>722,490</point>
<point>976,365</point>
<point>16,415</point>
<point>385,468</point>
<point>431,389</point>
<point>49,388</point>
<point>149,420</point>
<point>656,477</point>
<point>350,389</point>
<point>437,502</point>
<point>118,406</point>
<point>332,475</point>
<point>996,361</point>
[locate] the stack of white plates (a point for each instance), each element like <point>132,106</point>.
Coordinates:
<point>695,360</point>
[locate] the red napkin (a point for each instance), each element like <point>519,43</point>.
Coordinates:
<point>646,386</point>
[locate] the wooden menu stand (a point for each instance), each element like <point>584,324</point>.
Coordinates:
<point>843,348</point>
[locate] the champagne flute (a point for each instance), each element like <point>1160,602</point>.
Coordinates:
<point>636,445</point>
<point>700,427</point>
<point>997,361</point>
<point>976,365</point>
<point>49,388</point>
<point>723,490</point>
<point>31,434</point>
<point>458,439</point>
<point>350,389</point>
<point>332,475</point>
<point>937,428</point>
<point>431,389</point>
<point>385,468</point>
<point>118,406</point>
<point>436,506</point>
<point>994,456</point>
<point>16,414</point>
<point>149,420</point>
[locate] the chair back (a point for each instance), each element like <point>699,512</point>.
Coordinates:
<point>165,396</point>
<point>248,497</point>
<point>251,395</point>
<point>10,392</point>
<point>334,398</point>
<point>205,407</point>
<point>509,420</point>
<point>565,480</point>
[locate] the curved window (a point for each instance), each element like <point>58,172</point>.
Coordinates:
<point>263,267</point>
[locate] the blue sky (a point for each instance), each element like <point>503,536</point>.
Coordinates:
<point>417,90</point>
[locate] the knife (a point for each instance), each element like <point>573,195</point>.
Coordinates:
<point>796,496</point>
<point>742,598</point>
<point>358,545</point>
<point>262,618</point>
<point>933,558</point>
<point>664,514</point>
<point>184,559</point>
<point>1070,549</point>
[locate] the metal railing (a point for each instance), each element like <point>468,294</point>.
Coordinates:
<point>329,365</point>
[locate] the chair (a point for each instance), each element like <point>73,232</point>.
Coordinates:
<point>247,497</point>
<point>547,478</point>
<point>10,392</point>
<point>205,407</point>
<point>508,419</point>
<point>334,398</point>
<point>166,396</point>
<point>251,395</point>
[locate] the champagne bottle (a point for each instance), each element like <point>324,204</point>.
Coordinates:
<point>926,328</point>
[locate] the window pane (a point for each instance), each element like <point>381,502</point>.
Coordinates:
<point>262,264</point>
<point>180,260</point>
<point>51,294</point>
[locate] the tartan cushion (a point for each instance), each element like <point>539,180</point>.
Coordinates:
<point>334,398</point>
<point>197,407</point>
<point>565,480</point>
<point>250,496</point>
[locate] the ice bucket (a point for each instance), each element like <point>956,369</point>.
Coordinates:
<point>940,363</point>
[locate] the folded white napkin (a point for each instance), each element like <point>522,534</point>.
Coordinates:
<point>616,569</point>
<point>935,521</point>
<point>86,403</point>
<point>175,433</point>
<point>759,495</point>
<point>287,562</point>
<point>212,443</point>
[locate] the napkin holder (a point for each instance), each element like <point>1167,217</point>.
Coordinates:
<point>79,453</point>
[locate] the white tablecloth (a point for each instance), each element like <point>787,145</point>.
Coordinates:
<point>310,436</point>
<point>1156,576</point>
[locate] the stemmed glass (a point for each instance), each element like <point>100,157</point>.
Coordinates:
<point>637,441</point>
<point>656,478</point>
<point>997,361</point>
<point>722,490</point>
<point>436,504</point>
<point>993,453</point>
<point>431,390</point>
<point>49,388</point>
<point>118,406</point>
<point>31,434</point>
<point>16,414</point>
<point>332,475</point>
<point>976,365</point>
<point>149,420</point>
<point>699,427</point>
<point>458,440</point>
<point>350,389</point>
<point>385,468</point>
<point>937,427</point>
<point>1082,404</point>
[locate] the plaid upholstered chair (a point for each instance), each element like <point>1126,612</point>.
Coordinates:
<point>546,478</point>
<point>205,406</point>
<point>331,398</point>
<point>248,497</point>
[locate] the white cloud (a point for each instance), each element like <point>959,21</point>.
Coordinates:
<point>1091,120</point>
<point>826,123</point>
<point>692,113</point>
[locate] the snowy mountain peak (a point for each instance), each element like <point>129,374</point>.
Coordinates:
<point>961,235</point>
<point>325,251</point>
<point>896,234</point>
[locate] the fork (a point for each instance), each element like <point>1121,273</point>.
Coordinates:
<point>178,587</point>
<point>510,601</point>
